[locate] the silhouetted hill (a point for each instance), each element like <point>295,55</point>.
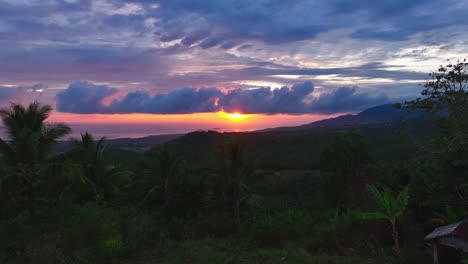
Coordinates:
<point>375,115</point>
<point>300,149</point>
<point>141,144</point>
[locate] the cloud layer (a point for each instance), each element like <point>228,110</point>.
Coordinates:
<point>177,43</point>
<point>154,47</point>
<point>84,98</point>
<point>22,94</point>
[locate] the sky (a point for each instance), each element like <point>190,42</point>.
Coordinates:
<point>134,68</point>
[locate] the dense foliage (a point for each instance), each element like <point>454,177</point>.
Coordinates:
<point>263,197</point>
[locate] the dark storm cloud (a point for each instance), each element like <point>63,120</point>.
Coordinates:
<point>84,97</point>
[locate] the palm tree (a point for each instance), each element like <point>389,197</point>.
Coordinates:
<point>169,168</point>
<point>389,207</point>
<point>236,168</point>
<point>29,142</point>
<point>88,153</point>
<point>105,179</point>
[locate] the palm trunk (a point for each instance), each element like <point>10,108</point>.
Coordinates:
<point>30,199</point>
<point>236,200</point>
<point>166,191</point>
<point>29,177</point>
<point>396,238</point>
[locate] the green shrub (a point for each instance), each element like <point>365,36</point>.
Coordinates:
<point>15,233</point>
<point>276,229</point>
<point>138,229</point>
<point>92,234</point>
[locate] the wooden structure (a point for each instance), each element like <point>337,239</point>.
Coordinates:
<point>449,242</point>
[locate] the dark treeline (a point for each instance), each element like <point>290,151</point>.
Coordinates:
<point>341,196</point>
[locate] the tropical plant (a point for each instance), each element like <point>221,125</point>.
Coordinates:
<point>451,215</point>
<point>169,168</point>
<point>29,143</point>
<point>103,179</point>
<point>389,207</point>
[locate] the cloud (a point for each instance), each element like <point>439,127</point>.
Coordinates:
<point>179,101</point>
<point>268,101</point>
<point>21,94</point>
<point>84,97</point>
<point>175,44</point>
<point>179,43</point>
<point>346,99</point>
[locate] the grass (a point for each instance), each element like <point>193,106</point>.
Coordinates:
<point>226,252</point>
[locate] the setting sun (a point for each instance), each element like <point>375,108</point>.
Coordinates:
<point>236,116</point>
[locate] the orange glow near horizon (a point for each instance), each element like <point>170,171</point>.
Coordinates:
<point>139,125</point>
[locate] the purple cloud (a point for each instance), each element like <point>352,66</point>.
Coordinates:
<point>84,97</point>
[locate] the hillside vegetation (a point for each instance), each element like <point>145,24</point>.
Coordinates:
<point>362,193</point>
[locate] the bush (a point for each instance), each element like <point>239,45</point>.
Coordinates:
<point>276,229</point>
<point>92,234</point>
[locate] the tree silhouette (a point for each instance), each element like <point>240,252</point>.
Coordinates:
<point>88,153</point>
<point>345,158</point>
<point>236,168</point>
<point>446,93</point>
<point>29,142</point>
<point>169,168</point>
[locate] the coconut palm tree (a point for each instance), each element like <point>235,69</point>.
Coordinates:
<point>170,167</point>
<point>88,154</point>
<point>236,168</point>
<point>389,207</point>
<point>29,142</point>
<point>104,179</point>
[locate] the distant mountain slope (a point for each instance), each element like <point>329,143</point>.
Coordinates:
<point>141,144</point>
<point>131,144</point>
<point>375,115</point>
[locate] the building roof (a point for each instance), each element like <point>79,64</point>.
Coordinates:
<point>459,229</point>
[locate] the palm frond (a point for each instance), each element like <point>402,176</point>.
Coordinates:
<point>7,152</point>
<point>378,197</point>
<point>401,201</point>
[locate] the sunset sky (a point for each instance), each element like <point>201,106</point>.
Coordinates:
<point>135,68</point>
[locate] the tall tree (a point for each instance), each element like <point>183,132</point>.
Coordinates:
<point>389,207</point>
<point>236,168</point>
<point>169,168</point>
<point>104,179</point>
<point>29,142</point>
<point>345,158</point>
<point>88,153</point>
<point>446,93</point>
<point>446,90</point>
